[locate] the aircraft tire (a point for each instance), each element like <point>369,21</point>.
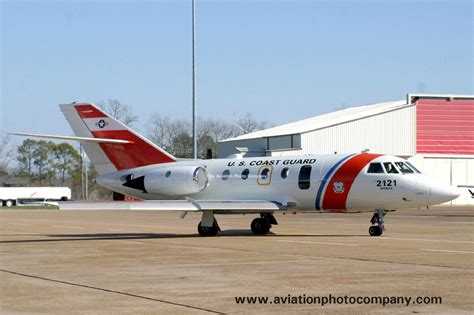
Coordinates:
<point>9,203</point>
<point>375,230</point>
<point>260,226</point>
<point>208,231</point>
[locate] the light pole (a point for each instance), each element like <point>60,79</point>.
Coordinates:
<point>194,78</point>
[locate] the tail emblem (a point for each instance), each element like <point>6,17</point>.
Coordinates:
<point>101,123</point>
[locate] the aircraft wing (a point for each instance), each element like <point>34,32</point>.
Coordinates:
<point>237,206</point>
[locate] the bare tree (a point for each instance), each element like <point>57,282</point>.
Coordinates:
<point>250,124</point>
<point>180,126</point>
<point>225,130</point>
<point>158,127</point>
<point>119,111</point>
<point>6,154</point>
<point>217,129</point>
<point>175,135</point>
<point>211,131</point>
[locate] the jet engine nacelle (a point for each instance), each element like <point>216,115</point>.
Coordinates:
<point>176,181</point>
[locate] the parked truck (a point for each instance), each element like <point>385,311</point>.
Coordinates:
<point>11,196</point>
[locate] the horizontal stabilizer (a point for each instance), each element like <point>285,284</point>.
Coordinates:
<point>97,140</point>
<point>178,205</point>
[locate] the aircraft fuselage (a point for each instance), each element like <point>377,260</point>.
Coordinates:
<point>336,183</point>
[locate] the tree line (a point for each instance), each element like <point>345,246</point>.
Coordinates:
<point>46,163</point>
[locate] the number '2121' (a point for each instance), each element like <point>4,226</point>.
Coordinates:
<point>386,183</point>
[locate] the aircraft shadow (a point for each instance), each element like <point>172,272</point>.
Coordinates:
<point>132,236</point>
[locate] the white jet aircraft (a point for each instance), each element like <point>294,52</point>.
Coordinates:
<point>130,164</point>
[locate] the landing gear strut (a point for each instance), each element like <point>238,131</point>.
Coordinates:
<point>377,218</point>
<point>262,225</point>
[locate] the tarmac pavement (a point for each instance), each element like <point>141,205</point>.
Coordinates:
<point>118,262</point>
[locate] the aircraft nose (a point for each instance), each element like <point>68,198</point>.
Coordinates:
<point>443,193</point>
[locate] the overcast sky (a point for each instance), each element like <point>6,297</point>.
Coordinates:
<point>280,60</point>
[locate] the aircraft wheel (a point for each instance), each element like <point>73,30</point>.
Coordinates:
<point>375,230</point>
<point>260,226</point>
<point>9,203</point>
<point>208,231</point>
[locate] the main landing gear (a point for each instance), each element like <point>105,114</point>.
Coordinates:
<point>377,218</point>
<point>262,225</point>
<point>208,225</point>
<point>208,231</point>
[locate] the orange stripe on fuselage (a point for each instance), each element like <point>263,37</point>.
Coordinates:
<point>346,174</point>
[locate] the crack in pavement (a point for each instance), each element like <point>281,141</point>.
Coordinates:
<point>110,291</point>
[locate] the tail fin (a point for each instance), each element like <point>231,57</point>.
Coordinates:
<point>87,120</point>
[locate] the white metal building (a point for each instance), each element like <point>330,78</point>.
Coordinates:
<point>436,132</point>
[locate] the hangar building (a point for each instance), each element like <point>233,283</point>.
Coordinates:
<point>435,132</point>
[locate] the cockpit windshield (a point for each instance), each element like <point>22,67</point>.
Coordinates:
<point>390,168</point>
<point>375,168</point>
<point>413,167</point>
<point>404,168</point>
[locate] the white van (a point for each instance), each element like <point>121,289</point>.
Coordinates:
<point>11,196</point>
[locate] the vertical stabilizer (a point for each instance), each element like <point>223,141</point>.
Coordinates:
<point>87,120</point>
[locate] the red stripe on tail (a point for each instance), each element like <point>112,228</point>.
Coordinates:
<point>136,154</point>
<point>89,111</point>
<point>335,197</point>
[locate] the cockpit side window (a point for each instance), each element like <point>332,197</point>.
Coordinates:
<point>390,168</point>
<point>375,168</point>
<point>413,167</point>
<point>404,168</point>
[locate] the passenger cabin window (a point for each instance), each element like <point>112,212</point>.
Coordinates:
<point>304,177</point>
<point>375,168</point>
<point>285,172</point>
<point>264,173</point>
<point>168,174</point>
<point>225,175</point>
<point>413,167</point>
<point>403,168</point>
<point>390,168</point>
<point>245,174</point>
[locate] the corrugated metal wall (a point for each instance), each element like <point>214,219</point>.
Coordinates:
<point>445,126</point>
<point>452,171</point>
<point>392,133</point>
<point>389,133</point>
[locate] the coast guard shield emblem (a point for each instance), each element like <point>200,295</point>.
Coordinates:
<point>338,187</point>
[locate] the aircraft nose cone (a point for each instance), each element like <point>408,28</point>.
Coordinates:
<point>442,193</point>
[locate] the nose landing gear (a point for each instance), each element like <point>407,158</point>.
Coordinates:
<point>377,218</point>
